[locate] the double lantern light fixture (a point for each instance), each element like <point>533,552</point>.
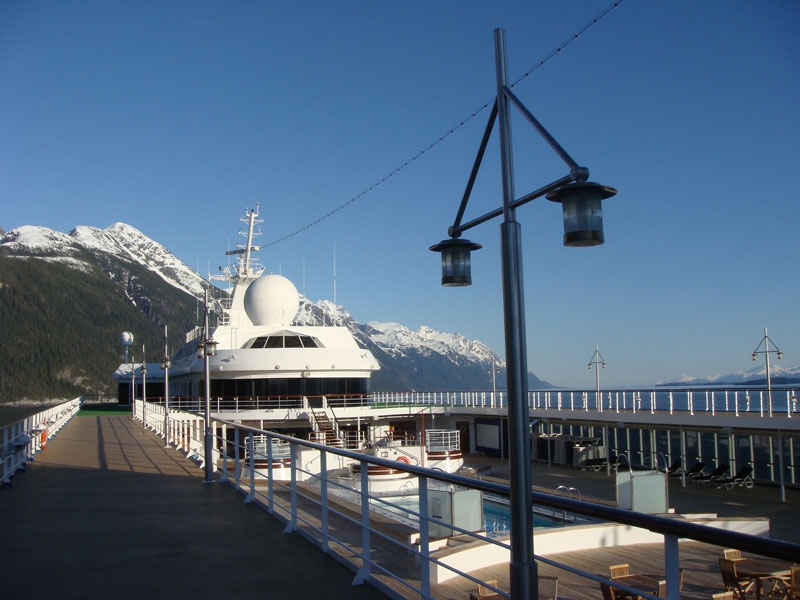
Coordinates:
<point>583,226</point>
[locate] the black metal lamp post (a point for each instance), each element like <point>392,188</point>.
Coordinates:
<point>207,349</point>
<point>583,226</point>
<point>166,364</point>
<point>144,390</point>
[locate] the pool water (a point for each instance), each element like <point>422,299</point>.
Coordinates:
<point>496,516</point>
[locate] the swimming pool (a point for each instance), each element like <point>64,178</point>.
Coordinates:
<point>496,514</point>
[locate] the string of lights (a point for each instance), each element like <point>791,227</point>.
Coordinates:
<point>554,52</point>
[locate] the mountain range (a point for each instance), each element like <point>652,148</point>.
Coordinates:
<point>755,377</point>
<point>66,298</point>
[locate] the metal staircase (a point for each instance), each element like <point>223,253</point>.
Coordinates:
<point>326,430</point>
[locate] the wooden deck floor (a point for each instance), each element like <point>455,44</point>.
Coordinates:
<point>699,561</point>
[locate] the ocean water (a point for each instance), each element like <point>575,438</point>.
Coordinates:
<point>12,414</point>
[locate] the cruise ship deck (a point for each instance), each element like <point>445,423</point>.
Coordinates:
<point>107,509</point>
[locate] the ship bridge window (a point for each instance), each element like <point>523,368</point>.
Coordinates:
<point>283,340</point>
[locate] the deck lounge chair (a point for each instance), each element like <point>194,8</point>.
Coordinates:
<point>548,587</point>
<point>732,553</point>
<point>619,570</point>
<point>485,592</point>
<point>743,478</point>
<point>721,471</point>
<point>676,468</point>
<point>741,588</point>
<point>697,469</point>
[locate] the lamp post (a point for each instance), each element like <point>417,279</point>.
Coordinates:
<point>144,391</point>
<point>597,360</point>
<point>133,386</point>
<point>207,349</point>
<point>494,380</point>
<point>765,342</point>
<point>583,224</point>
<point>166,364</point>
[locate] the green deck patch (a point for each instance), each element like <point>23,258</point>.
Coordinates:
<point>100,410</point>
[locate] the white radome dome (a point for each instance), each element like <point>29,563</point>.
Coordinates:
<point>271,300</point>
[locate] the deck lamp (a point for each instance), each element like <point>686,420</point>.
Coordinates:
<point>583,226</point>
<point>456,264</point>
<point>583,214</point>
<point>207,347</point>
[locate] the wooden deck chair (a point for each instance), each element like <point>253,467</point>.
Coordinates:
<point>732,554</point>
<point>485,592</point>
<point>548,587</point>
<point>723,596</point>
<point>608,591</point>
<point>741,588</point>
<point>662,589</point>
<point>788,589</point>
<point>619,570</point>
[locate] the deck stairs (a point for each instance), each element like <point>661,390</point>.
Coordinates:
<point>325,428</point>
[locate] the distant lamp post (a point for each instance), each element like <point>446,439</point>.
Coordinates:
<point>494,370</point>
<point>133,386</point>
<point>166,364</point>
<point>144,390</point>
<point>765,342</point>
<point>597,360</point>
<point>207,349</point>
<point>580,200</point>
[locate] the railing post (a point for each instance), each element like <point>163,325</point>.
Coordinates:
<point>323,499</point>
<point>270,477</point>
<point>424,540</point>
<point>363,573</point>
<point>237,473</point>
<point>251,467</point>
<point>291,525</point>
<point>224,441</point>
<point>672,567</point>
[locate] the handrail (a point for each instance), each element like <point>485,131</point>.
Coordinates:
<point>21,440</point>
<point>285,500</point>
<point>663,525</point>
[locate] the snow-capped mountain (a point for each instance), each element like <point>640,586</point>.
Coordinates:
<point>779,374</point>
<point>118,240</point>
<point>424,359</point>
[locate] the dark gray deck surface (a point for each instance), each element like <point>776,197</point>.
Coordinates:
<point>107,512</point>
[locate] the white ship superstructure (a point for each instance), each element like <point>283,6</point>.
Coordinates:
<point>260,354</point>
<point>307,381</point>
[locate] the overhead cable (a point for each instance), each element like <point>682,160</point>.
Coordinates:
<point>555,51</point>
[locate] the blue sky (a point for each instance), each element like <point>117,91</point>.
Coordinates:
<point>175,116</point>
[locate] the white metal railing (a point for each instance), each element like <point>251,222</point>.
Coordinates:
<point>337,518</point>
<point>20,441</point>
<point>742,401</point>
